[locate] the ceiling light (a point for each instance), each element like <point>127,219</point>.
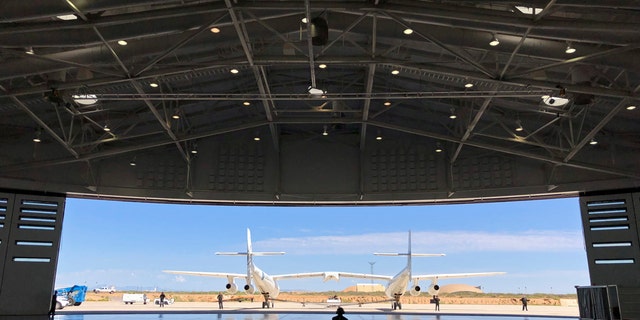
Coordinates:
<point>453,114</point>
<point>85,99</point>
<point>256,138</point>
<point>325,133</point>
<point>322,66</point>
<point>468,85</point>
<point>315,91</point>
<point>234,71</point>
<point>176,115</point>
<point>67,17</point>
<point>29,50</point>
<point>570,49</point>
<point>529,10</point>
<point>494,41</point>
<point>408,31</point>
<point>122,42</point>
<point>153,84</point>
<point>132,162</point>
<point>246,103</point>
<point>194,151</point>
<point>378,137</point>
<point>593,142</point>
<point>631,108</point>
<point>554,101</point>
<point>36,137</point>
<point>215,30</point>
<point>387,103</point>
<point>106,128</point>
<point>304,20</point>
<point>519,127</point>
<point>395,71</point>
<point>438,148</point>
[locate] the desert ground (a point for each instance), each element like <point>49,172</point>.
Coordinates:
<point>185,302</point>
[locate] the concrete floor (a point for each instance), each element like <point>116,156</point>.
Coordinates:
<point>90,307</point>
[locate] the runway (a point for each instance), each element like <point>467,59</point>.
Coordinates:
<point>235,310</point>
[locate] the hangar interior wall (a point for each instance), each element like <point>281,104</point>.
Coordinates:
<point>612,241</point>
<point>30,229</point>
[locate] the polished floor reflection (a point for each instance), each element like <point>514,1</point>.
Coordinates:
<point>293,316</point>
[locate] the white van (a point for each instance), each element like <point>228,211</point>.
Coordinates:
<point>130,298</point>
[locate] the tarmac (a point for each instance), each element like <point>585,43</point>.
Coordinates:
<point>234,307</point>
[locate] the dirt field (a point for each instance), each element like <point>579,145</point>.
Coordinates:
<point>484,299</point>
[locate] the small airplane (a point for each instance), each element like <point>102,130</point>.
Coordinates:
<point>265,284</point>
<point>397,285</point>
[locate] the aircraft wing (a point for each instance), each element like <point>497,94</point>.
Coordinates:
<point>208,274</point>
<point>454,275</point>
<point>331,275</point>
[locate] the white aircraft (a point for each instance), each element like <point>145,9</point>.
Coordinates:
<point>397,285</point>
<point>265,283</point>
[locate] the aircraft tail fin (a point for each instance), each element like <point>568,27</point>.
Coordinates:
<point>409,254</point>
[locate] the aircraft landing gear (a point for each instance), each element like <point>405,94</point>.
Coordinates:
<point>265,304</point>
<point>396,305</point>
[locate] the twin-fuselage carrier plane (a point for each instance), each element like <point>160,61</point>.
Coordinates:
<point>268,287</point>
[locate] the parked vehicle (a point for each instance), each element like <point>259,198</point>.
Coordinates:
<point>166,301</point>
<point>131,298</point>
<point>111,289</point>
<point>61,302</point>
<point>75,294</point>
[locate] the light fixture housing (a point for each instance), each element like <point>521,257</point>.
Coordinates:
<point>554,101</point>
<point>322,66</point>
<point>494,41</point>
<point>85,99</point>
<point>631,107</point>
<point>570,49</point>
<point>29,50</point>
<point>36,137</point>
<point>324,132</point>
<point>407,31</point>
<point>246,103</point>
<point>453,114</point>
<point>593,142</point>
<point>215,30</point>
<point>153,84</point>
<point>106,128</point>
<point>122,42</point>
<point>387,103</point>
<point>395,71</point>
<point>468,85</point>
<point>132,162</point>
<point>234,71</point>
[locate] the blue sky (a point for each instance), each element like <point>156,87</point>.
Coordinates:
<point>538,243</point>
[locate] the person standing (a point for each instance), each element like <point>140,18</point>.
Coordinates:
<point>340,314</point>
<point>54,303</point>
<point>220,300</point>
<point>436,300</point>
<point>524,303</point>
<point>162,296</point>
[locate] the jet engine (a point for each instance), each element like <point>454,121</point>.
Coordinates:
<point>433,289</point>
<point>231,288</point>
<point>415,291</point>
<point>248,288</point>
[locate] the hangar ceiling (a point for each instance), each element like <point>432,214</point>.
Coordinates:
<point>243,102</point>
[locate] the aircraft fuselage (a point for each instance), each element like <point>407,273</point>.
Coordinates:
<point>398,284</point>
<point>264,282</point>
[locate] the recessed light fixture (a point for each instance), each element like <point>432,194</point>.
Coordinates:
<point>632,107</point>
<point>234,71</point>
<point>395,71</point>
<point>122,42</point>
<point>322,66</point>
<point>215,30</point>
<point>494,41</point>
<point>387,103</point>
<point>408,31</point>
